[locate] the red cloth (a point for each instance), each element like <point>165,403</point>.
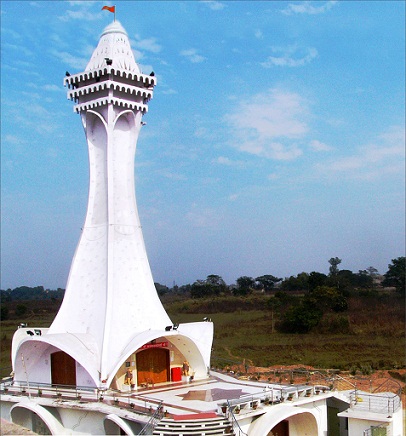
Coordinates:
<point>109,8</point>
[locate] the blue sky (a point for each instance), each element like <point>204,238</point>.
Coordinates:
<point>275,139</point>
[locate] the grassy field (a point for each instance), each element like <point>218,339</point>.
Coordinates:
<point>247,335</point>
<point>243,329</point>
<point>375,336</point>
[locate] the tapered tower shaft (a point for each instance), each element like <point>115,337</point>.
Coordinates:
<point>110,292</point>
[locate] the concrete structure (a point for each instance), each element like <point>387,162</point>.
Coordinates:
<point>112,362</point>
<point>111,319</point>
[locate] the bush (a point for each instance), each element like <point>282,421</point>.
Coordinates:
<point>335,324</point>
<point>366,370</point>
<point>21,309</point>
<point>300,319</point>
<point>4,313</point>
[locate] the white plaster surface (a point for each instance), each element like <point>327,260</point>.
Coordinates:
<point>111,307</point>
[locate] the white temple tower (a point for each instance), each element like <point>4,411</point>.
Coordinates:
<point>111,318</point>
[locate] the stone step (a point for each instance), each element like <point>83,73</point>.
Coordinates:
<point>193,427</point>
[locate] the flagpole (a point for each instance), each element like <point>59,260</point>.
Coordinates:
<point>114,12</point>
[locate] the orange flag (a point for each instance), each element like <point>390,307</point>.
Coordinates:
<point>109,8</point>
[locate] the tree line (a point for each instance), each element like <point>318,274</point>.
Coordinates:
<point>341,280</point>
<point>214,285</point>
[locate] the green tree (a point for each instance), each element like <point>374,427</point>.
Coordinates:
<point>21,309</point>
<point>300,319</point>
<point>363,279</point>
<point>334,262</point>
<point>244,285</point>
<point>4,313</point>
<point>199,289</point>
<point>395,276</point>
<point>267,282</point>
<point>326,298</point>
<point>316,279</point>
<point>217,283</point>
<point>161,289</point>
<point>212,286</point>
<point>298,283</point>
<point>373,272</point>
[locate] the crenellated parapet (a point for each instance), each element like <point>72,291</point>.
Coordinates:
<point>103,86</point>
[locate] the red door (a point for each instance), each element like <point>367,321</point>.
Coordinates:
<point>153,366</point>
<point>63,369</point>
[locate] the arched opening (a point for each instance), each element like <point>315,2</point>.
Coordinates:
<point>28,419</point>
<point>286,420</point>
<point>152,366</point>
<point>63,369</point>
<point>37,418</point>
<point>115,425</point>
<point>280,429</point>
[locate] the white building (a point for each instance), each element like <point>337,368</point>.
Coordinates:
<point>111,318</point>
<point>112,362</point>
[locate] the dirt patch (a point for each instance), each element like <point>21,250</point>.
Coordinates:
<point>7,427</point>
<point>378,381</point>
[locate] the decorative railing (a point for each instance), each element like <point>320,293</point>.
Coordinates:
<point>35,389</point>
<point>379,403</point>
<point>389,385</point>
<point>138,403</point>
<point>341,384</point>
<point>153,421</point>
<point>236,426</point>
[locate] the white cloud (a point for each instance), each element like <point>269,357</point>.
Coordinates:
<point>202,217</point>
<point>384,156</point>
<point>148,44</point>
<point>200,132</point>
<point>173,176</point>
<point>319,146</point>
<point>81,3</point>
<point>169,91</point>
<point>307,7</point>
<point>291,56</point>
<point>233,197</point>
<point>13,139</point>
<point>192,55</point>
<point>269,124</point>
<point>258,34</point>
<point>52,88</point>
<point>36,117</point>
<point>214,5</point>
<point>48,87</point>
<point>20,49</point>
<point>82,15</point>
<point>221,160</point>
<point>75,62</point>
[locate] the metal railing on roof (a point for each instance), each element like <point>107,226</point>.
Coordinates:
<point>140,404</point>
<point>153,421</point>
<point>236,426</point>
<point>385,403</point>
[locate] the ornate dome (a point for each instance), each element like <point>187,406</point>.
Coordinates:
<point>114,47</point>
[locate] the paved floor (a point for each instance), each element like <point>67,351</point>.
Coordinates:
<point>204,396</point>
